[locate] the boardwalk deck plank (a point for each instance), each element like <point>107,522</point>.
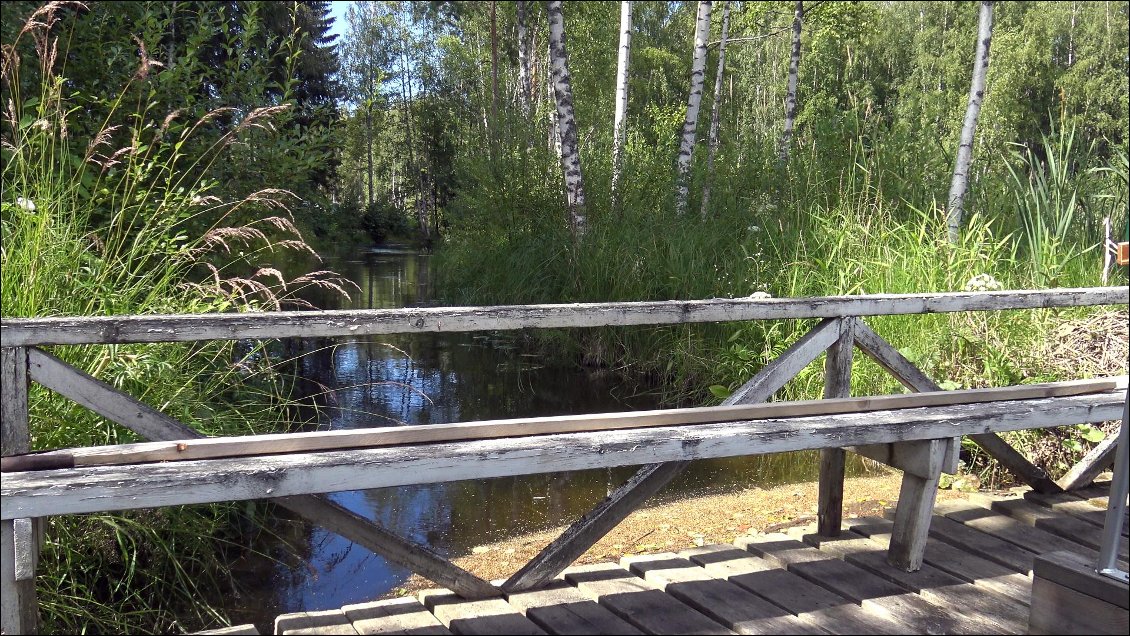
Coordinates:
<point>1077,507</point>
<point>393,616</point>
<point>810,602</point>
<point>1004,527</point>
<point>560,608</point>
<point>1064,526</point>
<point>484,616</point>
<point>725,602</point>
<point>862,586</point>
<point>932,584</point>
<point>639,602</point>
<point>325,622</point>
<point>964,565</point>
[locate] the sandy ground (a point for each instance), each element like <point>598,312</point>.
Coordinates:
<point>684,523</point>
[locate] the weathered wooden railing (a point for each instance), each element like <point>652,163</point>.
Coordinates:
<point>920,436</point>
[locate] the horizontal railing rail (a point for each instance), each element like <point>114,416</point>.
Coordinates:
<point>24,332</point>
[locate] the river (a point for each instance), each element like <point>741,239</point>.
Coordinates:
<point>436,378</point>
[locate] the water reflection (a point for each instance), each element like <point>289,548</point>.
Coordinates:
<point>437,378</point>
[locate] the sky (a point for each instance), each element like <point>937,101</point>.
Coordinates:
<point>338,9</point>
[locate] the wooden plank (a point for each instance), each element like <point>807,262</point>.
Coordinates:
<point>234,629</point>
<point>722,601</point>
<point>154,485</point>
<point>397,616</point>
<point>19,550</point>
<point>639,602</point>
<point>1011,530</point>
<point>837,384</point>
<point>560,608</point>
<point>324,622</point>
<point>483,616</point>
<point>367,322</point>
<point>1061,525</point>
<point>860,586</point>
<point>1015,462</point>
<point>1061,610</point>
<point>994,611</point>
<point>195,447</point>
<point>810,602</point>
<point>1072,505</point>
<point>982,544</point>
<point>917,494</point>
<point>964,565</point>
<point>1072,571</point>
<point>586,531</point>
<point>1094,462</point>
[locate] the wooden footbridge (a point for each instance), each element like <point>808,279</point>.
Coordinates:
<point>918,434</point>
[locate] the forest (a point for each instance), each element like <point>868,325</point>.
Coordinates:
<point>185,156</point>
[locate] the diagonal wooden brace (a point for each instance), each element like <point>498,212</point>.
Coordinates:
<point>143,419</point>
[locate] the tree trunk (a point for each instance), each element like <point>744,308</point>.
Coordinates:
<point>960,183</point>
<point>715,110</point>
<point>618,131</point>
<point>790,97</point>
<point>493,66</point>
<point>566,124</point>
<point>694,101</point>
<point>554,137</point>
<point>524,80</point>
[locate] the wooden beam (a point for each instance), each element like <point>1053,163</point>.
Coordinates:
<point>1094,462</point>
<point>147,421</point>
<point>586,531</point>
<point>30,494</point>
<point>917,495</point>
<point>353,323</point>
<point>837,384</point>
<point>19,548</point>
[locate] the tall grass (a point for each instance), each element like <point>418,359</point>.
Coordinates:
<point>125,222</point>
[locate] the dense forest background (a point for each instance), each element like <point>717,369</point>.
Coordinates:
<point>183,156</point>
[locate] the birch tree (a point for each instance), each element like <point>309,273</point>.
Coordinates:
<point>790,96</point>
<point>618,131</point>
<point>566,123</point>
<point>960,183</point>
<point>715,109</point>
<point>694,101</point>
<point>524,92</point>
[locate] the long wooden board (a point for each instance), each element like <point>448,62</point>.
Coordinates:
<point>246,446</point>
<point>367,322</point>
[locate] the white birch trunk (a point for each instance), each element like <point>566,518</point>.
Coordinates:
<point>694,101</point>
<point>790,97</point>
<point>566,123</point>
<point>715,110</point>
<point>618,130</point>
<point>554,137</point>
<point>960,182</point>
<point>524,92</point>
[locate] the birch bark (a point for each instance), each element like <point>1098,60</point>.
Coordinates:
<point>694,101</point>
<point>960,182</point>
<point>715,110</point>
<point>524,96</point>
<point>790,97</point>
<point>566,123</point>
<point>618,131</point>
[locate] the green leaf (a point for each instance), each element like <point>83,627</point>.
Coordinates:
<point>1091,434</point>
<point>720,391</point>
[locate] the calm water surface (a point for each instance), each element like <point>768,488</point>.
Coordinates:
<point>438,378</point>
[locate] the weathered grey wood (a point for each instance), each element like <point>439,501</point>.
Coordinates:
<point>149,422</point>
<point>837,384</point>
<point>1002,613</point>
<point>639,602</point>
<point>560,608</point>
<point>912,457</point>
<point>1094,462</point>
<point>1015,462</point>
<point>153,485</point>
<point>862,586</point>
<point>324,622</point>
<point>810,602</point>
<point>722,601</point>
<point>19,549</point>
<point>483,616</point>
<point>393,616</point>
<point>1062,525</point>
<point>915,508</point>
<point>1011,530</point>
<point>964,565</point>
<point>1072,505</point>
<point>1057,610</point>
<point>650,479</point>
<point>981,544</point>
<point>234,629</point>
<point>310,324</point>
<point>1072,571</point>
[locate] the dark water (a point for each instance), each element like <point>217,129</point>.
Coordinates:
<point>437,378</point>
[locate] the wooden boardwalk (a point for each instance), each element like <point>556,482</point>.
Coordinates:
<point>975,580</point>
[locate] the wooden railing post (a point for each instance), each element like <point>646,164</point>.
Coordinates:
<point>837,384</point>
<point>19,546</point>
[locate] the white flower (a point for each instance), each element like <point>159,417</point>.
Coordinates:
<point>982,282</point>
<point>26,204</point>
<point>759,295</point>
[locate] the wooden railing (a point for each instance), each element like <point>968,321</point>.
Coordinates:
<point>919,436</point>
